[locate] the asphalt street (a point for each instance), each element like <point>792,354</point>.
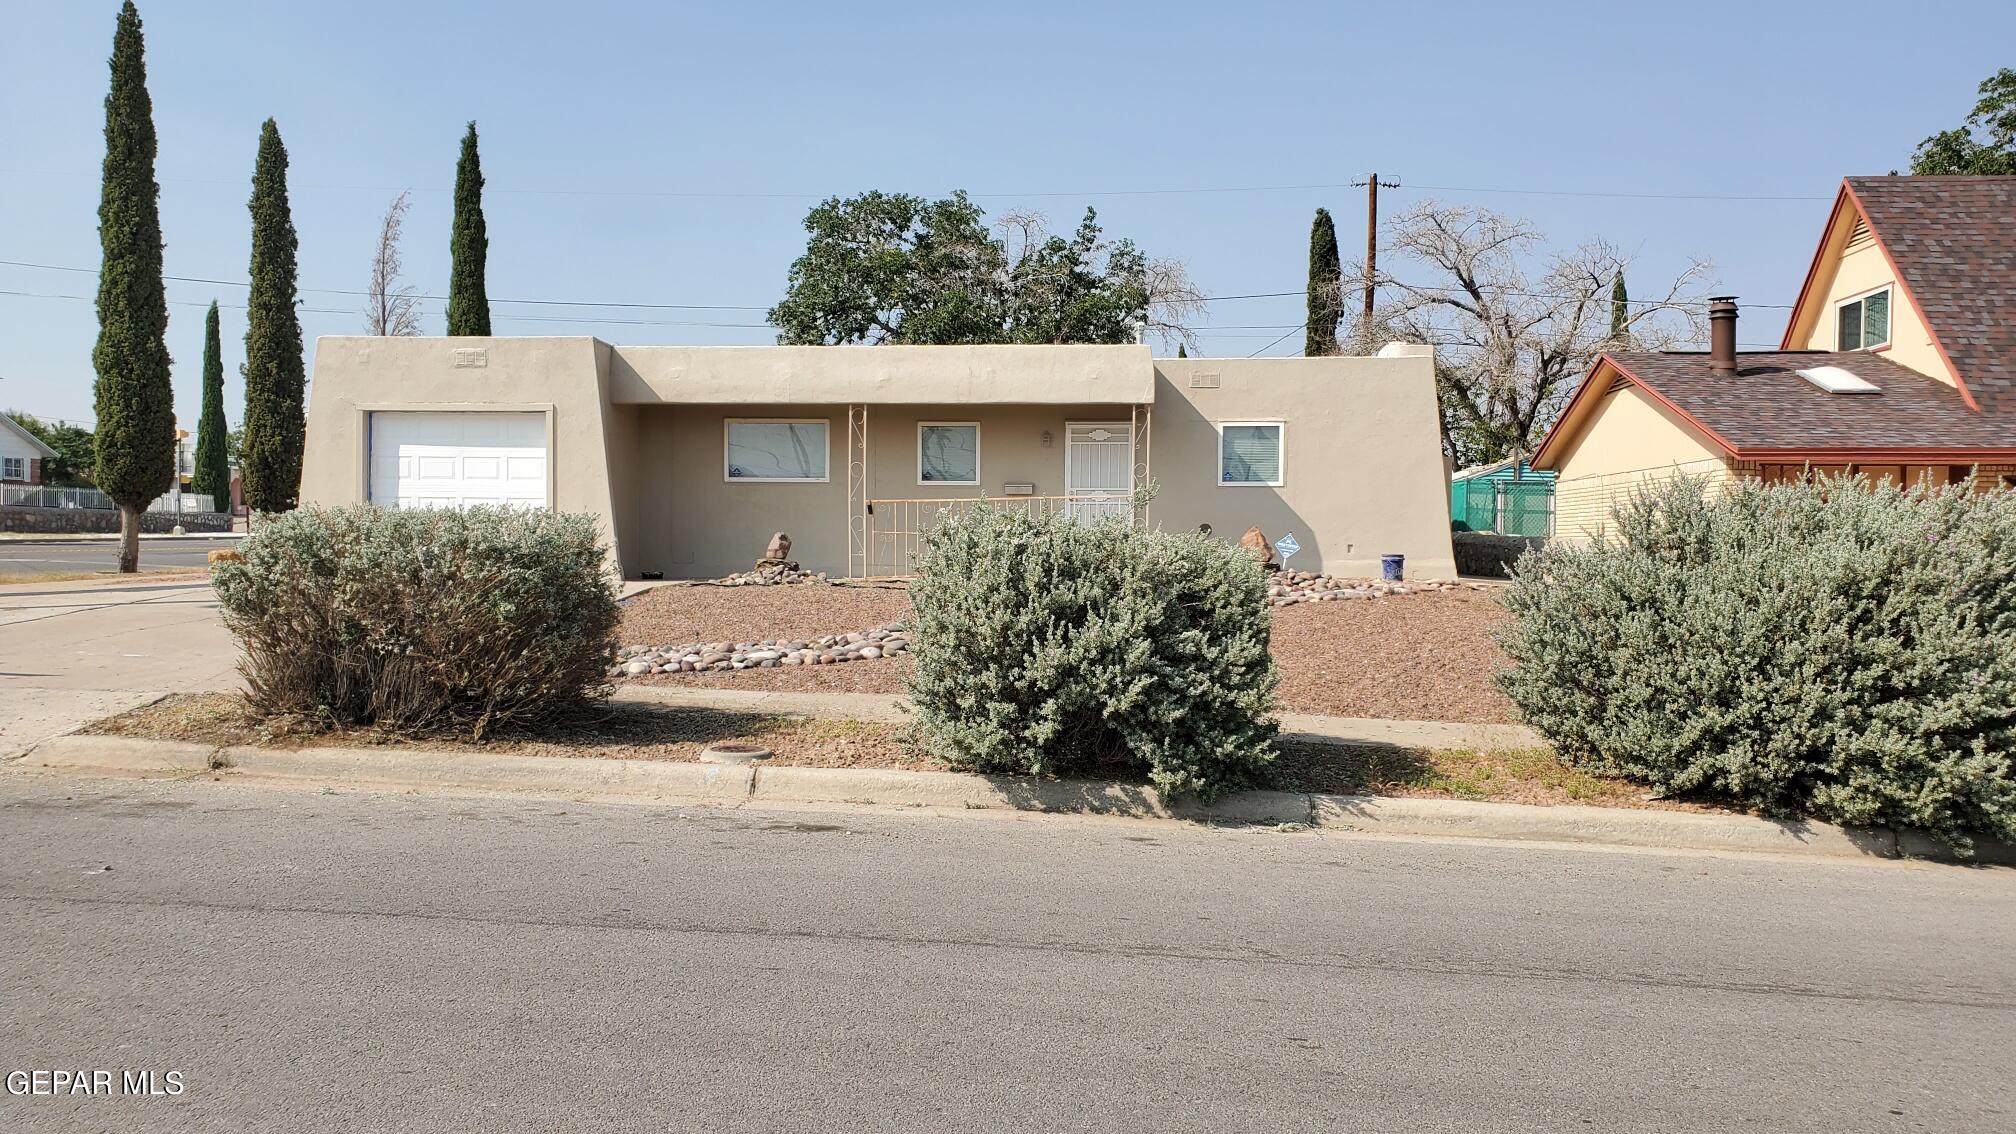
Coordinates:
<point>320,962</point>
<point>35,557</point>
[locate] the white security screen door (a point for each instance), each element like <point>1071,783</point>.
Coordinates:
<point>1099,469</point>
<point>457,459</point>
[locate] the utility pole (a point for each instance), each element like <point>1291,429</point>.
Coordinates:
<point>1371,184</point>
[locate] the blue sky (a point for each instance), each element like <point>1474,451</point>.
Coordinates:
<point>667,152</point>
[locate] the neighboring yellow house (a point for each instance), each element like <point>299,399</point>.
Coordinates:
<point>1899,361</point>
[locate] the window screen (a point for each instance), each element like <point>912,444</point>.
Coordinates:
<point>948,454</point>
<point>1249,454</point>
<point>777,450</point>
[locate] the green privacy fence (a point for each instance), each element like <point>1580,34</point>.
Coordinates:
<point>1508,507</point>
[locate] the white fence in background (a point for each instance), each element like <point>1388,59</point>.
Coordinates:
<point>90,499</point>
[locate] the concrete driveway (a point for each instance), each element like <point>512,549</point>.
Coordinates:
<point>72,652</point>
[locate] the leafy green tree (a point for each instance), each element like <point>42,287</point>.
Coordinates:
<point>1326,288</point>
<point>135,401</point>
<point>1620,309</point>
<point>468,246</point>
<point>213,465</point>
<point>74,445</point>
<point>1986,144</point>
<point>274,377</point>
<point>1081,290</point>
<point>894,268</point>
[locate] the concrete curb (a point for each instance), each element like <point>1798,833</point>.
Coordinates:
<point>738,784</point>
<point>392,767</point>
<point>1611,826</point>
<point>120,755</point>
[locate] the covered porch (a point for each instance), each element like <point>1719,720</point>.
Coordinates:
<point>1105,469</point>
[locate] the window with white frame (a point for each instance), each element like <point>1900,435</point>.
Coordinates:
<point>13,468</point>
<point>948,452</point>
<point>1249,453</point>
<point>776,449</point>
<point>1863,322</point>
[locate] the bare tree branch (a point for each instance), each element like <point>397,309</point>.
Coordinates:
<point>390,307</point>
<point>1510,350</point>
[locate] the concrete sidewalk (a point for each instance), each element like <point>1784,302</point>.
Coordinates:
<point>73,652</point>
<point>1359,732</point>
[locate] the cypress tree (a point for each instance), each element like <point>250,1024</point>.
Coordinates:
<point>135,457</point>
<point>1180,352</point>
<point>274,377</point>
<point>1326,287</point>
<point>468,246</point>
<point>213,458</point>
<point>1620,309</point>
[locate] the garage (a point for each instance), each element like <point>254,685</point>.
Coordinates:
<point>456,460</point>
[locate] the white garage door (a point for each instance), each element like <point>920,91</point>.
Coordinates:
<point>455,460</point>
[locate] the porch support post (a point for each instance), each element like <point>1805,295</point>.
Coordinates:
<point>1141,437</point>
<point>857,491</point>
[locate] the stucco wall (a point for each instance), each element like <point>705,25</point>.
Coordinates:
<point>1860,270</point>
<point>1362,467</point>
<point>559,377</point>
<point>915,375</point>
<point>1629,440</point>
<point>1363,470</point>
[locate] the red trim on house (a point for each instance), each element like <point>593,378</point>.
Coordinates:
<point>1542,459</point>
<point>1896,456</point>
<point>1905,287</point>
<point>1813,269</point>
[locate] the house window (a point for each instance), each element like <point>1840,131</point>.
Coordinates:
<point>13,468</point>
<point>776,449</point>
<point>948,452</point>
<point>1863,323</point>
<point>1249,452</point>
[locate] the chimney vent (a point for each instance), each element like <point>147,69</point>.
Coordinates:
<point>1722,334</point>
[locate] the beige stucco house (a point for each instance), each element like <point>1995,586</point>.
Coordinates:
<point>693,456</point>
<point>1898,361</point>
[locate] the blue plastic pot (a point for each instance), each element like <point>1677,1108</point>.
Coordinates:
<point>1392,568</point>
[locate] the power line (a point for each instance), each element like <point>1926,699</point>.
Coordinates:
<point>633,305</point>
<point>1199,190</point>
<point>1283,338</point>
<point>437,298</point>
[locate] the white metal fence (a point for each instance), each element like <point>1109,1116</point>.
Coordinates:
<point>90,499</point>
<point>896,528</point>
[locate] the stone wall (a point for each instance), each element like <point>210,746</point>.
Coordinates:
<point>1488,554</point>
<point>73,521</point>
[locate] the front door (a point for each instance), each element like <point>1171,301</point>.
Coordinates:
<point>1098,470</point>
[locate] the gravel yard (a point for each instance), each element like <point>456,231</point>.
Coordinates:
<point>1404,657</point>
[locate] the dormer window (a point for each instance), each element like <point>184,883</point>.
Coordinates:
<point>1863,323</point>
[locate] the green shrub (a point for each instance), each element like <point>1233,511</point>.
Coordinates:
<point>1049,647</point>
<point>1832,650</point>
<point>427,621</point>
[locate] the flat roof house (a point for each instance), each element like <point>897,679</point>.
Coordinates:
<point>693,456</point>
<point>1898,361</point>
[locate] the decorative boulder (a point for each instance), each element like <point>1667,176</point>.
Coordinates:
<point>1255,541</point>
<point>776,557</point>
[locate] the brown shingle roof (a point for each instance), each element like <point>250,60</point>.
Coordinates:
<point>1766,405</point>
<point>1953,240</point>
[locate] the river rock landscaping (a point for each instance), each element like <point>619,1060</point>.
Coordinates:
<point>770,653</point>
<point>1286,588</point>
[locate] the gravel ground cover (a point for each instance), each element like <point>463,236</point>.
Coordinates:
<point>1420,656</point>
